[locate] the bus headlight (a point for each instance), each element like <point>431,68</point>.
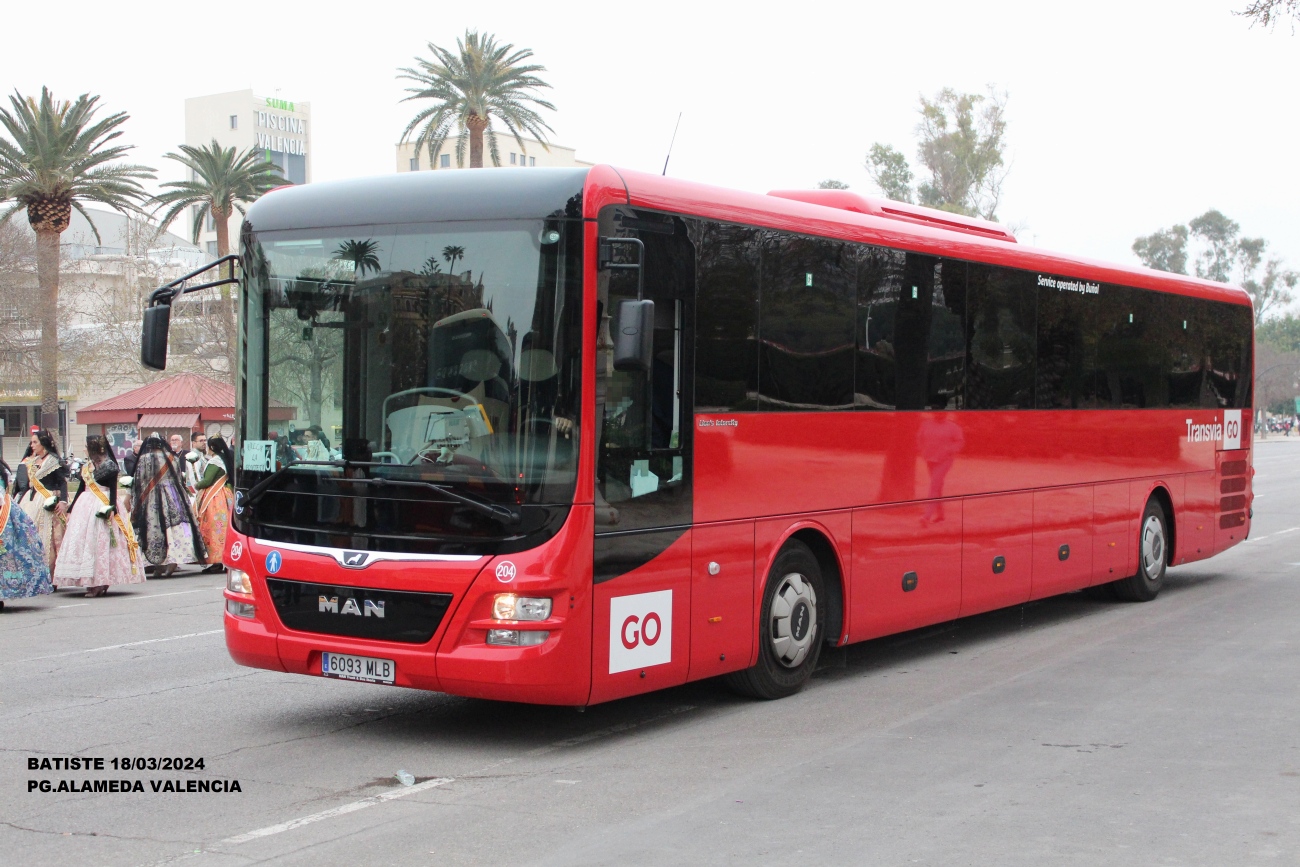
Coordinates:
<point>508,606</point>
<point>517,637</point>
<point>237,581</point>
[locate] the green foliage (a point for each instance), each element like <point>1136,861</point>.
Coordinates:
<point>470,87</point>
<point>1222,255</point>
<point>889,169</point>
<point>224,179</point>
<point>1164,250</point>
<point>1219,235</point>
<point>1281,333</point>
<point>58,156</point>
<point>960,144</point>
<point>832,184</point>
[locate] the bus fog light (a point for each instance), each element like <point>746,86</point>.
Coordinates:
<point>237,581</point>
<point>240,609</point>
<point>517,637</point>
<point>508,606</point>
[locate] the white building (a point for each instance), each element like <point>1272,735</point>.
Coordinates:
<point>280,128</point>
<point>531,155</point>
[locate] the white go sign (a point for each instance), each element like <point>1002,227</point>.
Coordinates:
<point>1232,429</point>
<point>640,630</point>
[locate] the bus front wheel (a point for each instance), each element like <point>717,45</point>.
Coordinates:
<point>1153,557</point>
<point>792,625</point>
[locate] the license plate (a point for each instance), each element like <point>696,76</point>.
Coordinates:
<point>350,667</point>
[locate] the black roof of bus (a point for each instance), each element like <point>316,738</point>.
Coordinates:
<point>423,197</point>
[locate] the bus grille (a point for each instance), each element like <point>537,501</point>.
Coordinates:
<point>1232,507</point>
<point>358,612</point>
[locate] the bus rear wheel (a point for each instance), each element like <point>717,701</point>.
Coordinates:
<point>792,624</point>
<point>1153,557</point>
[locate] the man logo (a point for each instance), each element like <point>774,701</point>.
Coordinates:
<point>505,571</point>
<point>355,559</point>
<point>330,605</point>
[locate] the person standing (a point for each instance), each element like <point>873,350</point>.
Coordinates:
<point>23,572</point>
<point>196,462</point>
<point>99,547</point>
<point>214,500</point>
<point>177,443</point>
<point>132,455</point>
<point>161,514</point>
<point>40,487</point>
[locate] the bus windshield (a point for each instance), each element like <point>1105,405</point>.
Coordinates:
<point>400,384</point>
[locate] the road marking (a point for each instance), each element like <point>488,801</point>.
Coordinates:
<point>73,605</point>
<point>177,593</point>
<point>362,804</point>
<point>120,646</point>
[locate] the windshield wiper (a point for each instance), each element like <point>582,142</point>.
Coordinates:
<point>504,514</point>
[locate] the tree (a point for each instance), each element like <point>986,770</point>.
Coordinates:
<point>479,82</point>
<point>961,147</point>
<point>59,157</point>
<point>1164,250</point>
<point>1220,254</point>
<point>832,184</point>
<point>1267,12</point>
<point>364,256</point>
<point>451,253</point>
<point>222,181</point>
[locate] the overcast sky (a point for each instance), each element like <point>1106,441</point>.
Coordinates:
<point>1124,115</point>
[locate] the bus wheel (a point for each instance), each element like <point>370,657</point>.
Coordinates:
<point>791,627</point>
<point>1153,553</point>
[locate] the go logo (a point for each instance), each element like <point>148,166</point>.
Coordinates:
<point>640,630</point>
<point>1232,429</point>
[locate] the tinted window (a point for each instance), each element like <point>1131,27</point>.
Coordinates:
<point>1227,356</point>
<point>726,348</point>
<point>1002,344</point>
<point>1066,376</point>
<point>1184,328</point>
<point>806,323</point>
<point>880,282</point>
<point>1133,359</point>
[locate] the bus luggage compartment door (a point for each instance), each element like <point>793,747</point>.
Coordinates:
<point>722,598</point>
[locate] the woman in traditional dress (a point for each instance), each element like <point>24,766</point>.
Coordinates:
<point>160,511</point>
<point>40,487</point>
<point>99,546</point>
<point>23,571</point>
<point>213,500</point>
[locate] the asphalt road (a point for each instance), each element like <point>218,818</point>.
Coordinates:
<point>1067,731</point>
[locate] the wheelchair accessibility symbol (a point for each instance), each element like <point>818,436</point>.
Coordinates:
<point>273,561</point>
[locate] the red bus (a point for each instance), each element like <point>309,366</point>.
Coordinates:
<point>581,434</point>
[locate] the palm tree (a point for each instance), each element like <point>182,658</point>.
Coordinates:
<point>362,254</point>
<point>223,180</point>
<point>451,253</point>
<point>58,158</point>
<point>479,82</point>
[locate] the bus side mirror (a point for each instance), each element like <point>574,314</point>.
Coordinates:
<point>153,336</point>
<point>634,337</point>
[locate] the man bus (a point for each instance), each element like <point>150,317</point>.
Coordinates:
<point>603,432</point>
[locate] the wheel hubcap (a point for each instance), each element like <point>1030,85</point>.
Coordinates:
<point>794,620</point>
<point>1153,547</point>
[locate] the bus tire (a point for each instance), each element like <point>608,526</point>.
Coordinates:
<point>1153,556</point>
<point>791,629</point>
